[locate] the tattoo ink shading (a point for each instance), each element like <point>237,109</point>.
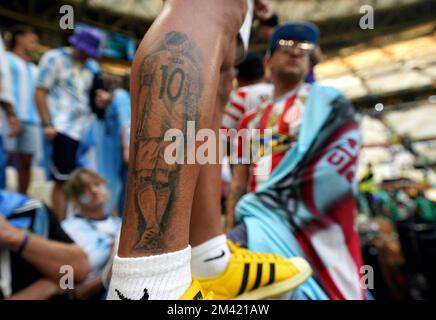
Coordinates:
<point>170,88</point>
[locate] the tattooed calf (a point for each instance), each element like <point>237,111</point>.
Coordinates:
<point>171,84</point>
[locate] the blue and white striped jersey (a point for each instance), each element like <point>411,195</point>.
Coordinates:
<point>5,75</point>
<point>5,89</point>
<point>23,76</point>
<point>96,237</point>
<point>69,83</point>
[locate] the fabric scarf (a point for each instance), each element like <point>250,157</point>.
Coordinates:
<point>307,206</point>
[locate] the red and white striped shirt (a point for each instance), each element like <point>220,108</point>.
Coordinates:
<point>244,100</point>
<point>283,116</point>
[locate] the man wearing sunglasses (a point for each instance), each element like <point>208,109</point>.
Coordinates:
<point>305,202</point>
<point>288,58</point>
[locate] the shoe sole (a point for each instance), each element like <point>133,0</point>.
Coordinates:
<point>280,288</point>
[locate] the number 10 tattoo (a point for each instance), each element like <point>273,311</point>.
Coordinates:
<point>170,89</point>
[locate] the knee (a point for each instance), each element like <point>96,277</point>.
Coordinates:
<point>240,12</point>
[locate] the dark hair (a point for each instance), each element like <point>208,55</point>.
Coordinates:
<point>19,30</point>
<point>252,67</point>
<point>271,22</point>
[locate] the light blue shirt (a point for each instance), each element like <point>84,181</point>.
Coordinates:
<point>108,142</point>
<point>5,75</point>
<point>5,88</point>
<point>96,237</point>
<point>69,83</point>
<point>23,75</point>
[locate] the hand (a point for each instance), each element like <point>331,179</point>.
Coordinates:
<point>41,289</point>
<point>102,98</point>
<point>262,10</point>
<point>14,125</point>
<point>50,133</point>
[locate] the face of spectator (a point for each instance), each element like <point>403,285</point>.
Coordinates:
<point>81,56</point>
<point>94,196</point>
<point>289,63</point>
<point>29,42</point>
<point>412,192</point>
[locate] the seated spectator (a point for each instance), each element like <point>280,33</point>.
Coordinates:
<point>90,228</point>
<point>33,247</point>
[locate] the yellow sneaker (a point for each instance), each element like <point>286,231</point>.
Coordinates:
<point>196,292</point>
<point>255,276</point>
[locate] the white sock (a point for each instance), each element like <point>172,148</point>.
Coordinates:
<point>161,277</point>
<point>210,258</point>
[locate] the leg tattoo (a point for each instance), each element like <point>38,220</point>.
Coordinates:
<point>171,85</point>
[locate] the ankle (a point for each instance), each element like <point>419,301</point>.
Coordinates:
<point>210,258</point>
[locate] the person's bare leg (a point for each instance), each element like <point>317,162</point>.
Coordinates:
<point>59,202</point>
<point>175,78</point>
<point>210,252</point>
<point>217,263</point>
<point>24,171</point>
<point>206,211</point>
